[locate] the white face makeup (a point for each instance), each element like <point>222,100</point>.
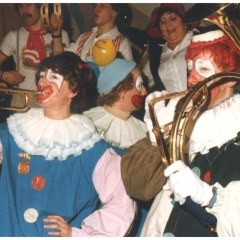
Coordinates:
<point>204,67</point>
<point>139,83</point>
<point>190,65</point>
<point>53,77</point>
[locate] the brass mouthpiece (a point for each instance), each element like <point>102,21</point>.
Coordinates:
<point>39,92</point>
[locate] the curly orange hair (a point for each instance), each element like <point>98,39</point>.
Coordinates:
<point>223,50</point>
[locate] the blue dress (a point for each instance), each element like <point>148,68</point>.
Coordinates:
<point>48,188</point>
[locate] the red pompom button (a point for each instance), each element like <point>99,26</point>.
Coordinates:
<point>207,176</point>
<point>38,183</point>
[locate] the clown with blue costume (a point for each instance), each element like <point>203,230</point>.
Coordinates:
<point>54,163</point>
<point>121,89</point>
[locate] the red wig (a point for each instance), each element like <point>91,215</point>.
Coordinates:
<point>224,52</point>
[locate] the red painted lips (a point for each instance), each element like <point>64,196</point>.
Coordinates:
<point>47,91</point>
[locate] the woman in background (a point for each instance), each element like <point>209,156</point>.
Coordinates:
<point>169,38</point>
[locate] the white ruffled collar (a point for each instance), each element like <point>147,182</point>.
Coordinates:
<point>118,132</point>
<point>214,127</point>
<point>39,135</point>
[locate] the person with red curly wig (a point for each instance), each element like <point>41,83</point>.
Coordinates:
<point>200,198</point>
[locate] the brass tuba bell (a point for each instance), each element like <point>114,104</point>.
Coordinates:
<point>224,15</point>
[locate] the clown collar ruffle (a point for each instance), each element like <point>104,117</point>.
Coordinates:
<point>39,135</point>
<point>119,133</point>
<point>214,127</point>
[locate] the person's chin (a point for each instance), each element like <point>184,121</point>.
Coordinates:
<point>27,22</point>
<point>42,100</point>
<point>96,20</point>
<point>137,107</point>
<point>173,36</point>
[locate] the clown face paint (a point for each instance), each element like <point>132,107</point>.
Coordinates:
<point>137,100</point>
<point>47,92</point>
<point>139,92</point>
<point>204,67</point>
<point>190,65</point>
<point>134,98</point>
<point>139,83</point>
<point>47,89</point>
<point>54,77</point>
<point>200,68</point>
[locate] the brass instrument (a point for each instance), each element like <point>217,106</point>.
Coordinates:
<point>226,16</point>
<point>25,92</point>
<point>177,136</point>
<point>144,56</point>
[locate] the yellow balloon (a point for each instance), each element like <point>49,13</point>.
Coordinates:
<point>104,52</point>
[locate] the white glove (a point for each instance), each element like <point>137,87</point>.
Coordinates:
<point>183,182</point>
<point>165,114</point>
<point>147,118</point>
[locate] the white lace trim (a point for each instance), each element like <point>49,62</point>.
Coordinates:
<point>118,132</point>
<point>214,127</point>
<point>39,135</point>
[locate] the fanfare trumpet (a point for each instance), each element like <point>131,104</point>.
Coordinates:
<point>25,92</point>
<point>177,135</point>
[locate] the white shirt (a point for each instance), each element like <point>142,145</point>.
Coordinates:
<point>125,48</point>
<point>15,44</point>
<point>173,67</point>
